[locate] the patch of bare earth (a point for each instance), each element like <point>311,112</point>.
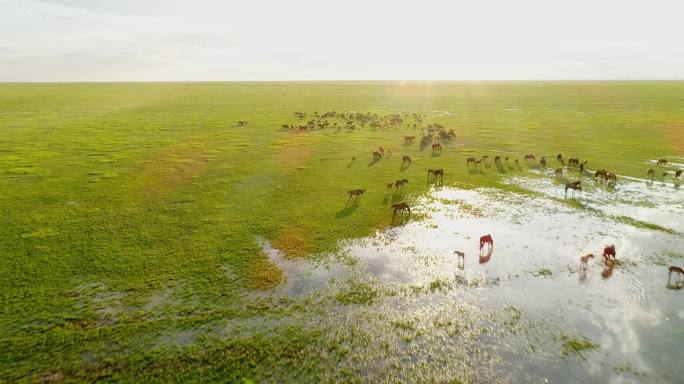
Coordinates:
<point>675,135</point>
<point>170,170</point>
<point>264,275</point>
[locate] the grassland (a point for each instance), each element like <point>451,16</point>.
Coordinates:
<point>129,213</point>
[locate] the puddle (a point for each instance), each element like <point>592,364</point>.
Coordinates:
<point>654,203</point>
<point>528,306</point>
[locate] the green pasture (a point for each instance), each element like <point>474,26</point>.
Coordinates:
<point>129,213</point>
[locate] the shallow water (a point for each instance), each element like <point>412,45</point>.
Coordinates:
<point>520,304</point>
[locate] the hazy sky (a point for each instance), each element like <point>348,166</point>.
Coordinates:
<point>127,40</point>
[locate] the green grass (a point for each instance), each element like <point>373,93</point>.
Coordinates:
<point>128,210</point>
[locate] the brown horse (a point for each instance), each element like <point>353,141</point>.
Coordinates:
<point>436,174</point>
<point>400,183</point>
<point>405,160</point>
<point>574,185</point>
<point>560,158</point>
<point>584,260</point>
<point>558,173</point>
<point>611,179</point>
<point>437,147</point>
<point>471,161</point>
<point>650,174</point>
<point>600,174</point>
<point>355,193</point>
<point>409,139</point>
<point>678,173</point>
<point>678,270</point>
<point>497,160</point>
<point>377,155</point>
<point>461,258</point>
<point>608,251</point>
<point>390,186</point>
<point>529,157</point>
<point>401,208</point>
<point>661,162</point>
<point>542,162</point>
<point>381,150</point>
<point>486,239</point>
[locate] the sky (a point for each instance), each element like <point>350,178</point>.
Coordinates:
<point>214,40</point>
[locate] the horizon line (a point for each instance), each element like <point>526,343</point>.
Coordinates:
<point>341,81</point>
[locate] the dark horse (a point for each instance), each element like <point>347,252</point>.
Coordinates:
<point>401,208</point>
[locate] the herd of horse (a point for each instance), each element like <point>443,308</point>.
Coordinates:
<point>437,134</point>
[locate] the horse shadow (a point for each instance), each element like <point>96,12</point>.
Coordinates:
<point>404,166</point>
<point>436,153</point>
<point>500,168</point>
<point>400,219</point>
<point>397,196</point>
<point>373,162</point>
<point>675,285</point>
<point>473,171</point>
<point>351,163</point>
<point>348,209</point>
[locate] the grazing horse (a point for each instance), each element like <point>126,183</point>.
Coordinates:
<point>461,259</point>
<point>678,173</point>
<point>661,162</point>
<point>401,208</point>
<point>486,239</point>
<point>608,251</point>
<point>355,193</point>
<point>678,270</point>
<point>573,162</point>
<point>611,179</point>
<point>650,174</point>
<point>583,261</point>
<point>471,162</point>
<point>437,147</point>
<point>377,155</point>
<point>436,174</point>
<point>381,150</point>
<point>529,157</point>
<point>405,160</point>
<point>400,183</point>
<point>497,160</point>
<point>542,162</point>
<point>559,158</point>
<point>390,186</point>
<point>601,173</point>
<point>558,173</point>
<point>409,139</point>
<point>574,185</point>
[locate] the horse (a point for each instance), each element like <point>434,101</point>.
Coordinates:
<point>355,193</point>
<point>583,261</point>
<point>529,157</point>
<point>471,162</point>
<point>611,179</point>
<point>437,147</point>
<point>560,158</point>
<point>381,150</point>
<point>661,162</point>
<point>542,162</point>
<point>678,270</point>
<point>497,160</point>
<point>650,174</point>
<point>574,185</point>
<point>405,160</point>
<point>558,173</point>
<point>400,183</point>
<point>461,259</point>
<point>436,173</point>
<point>486,239</point>
<point>608,251</point>
<point>409,139</point>
<point>390,186</point>
<point>600,174</point>
<point>401,208</point>
<point>377,155</point>
<point>678,173</point>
